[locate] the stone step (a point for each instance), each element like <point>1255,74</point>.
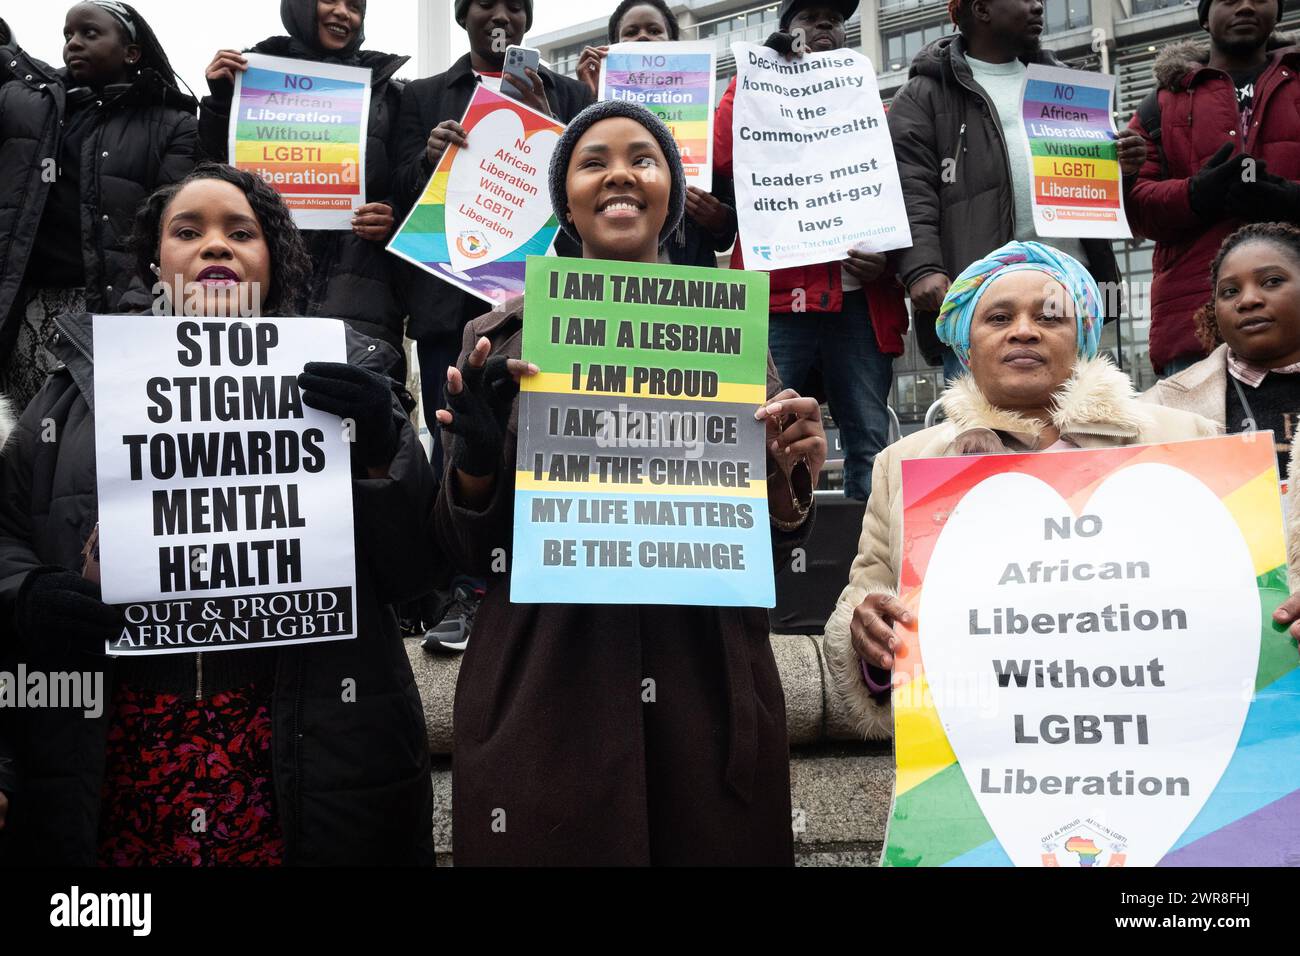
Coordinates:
<point>839,799</point>
<point>813,714</point>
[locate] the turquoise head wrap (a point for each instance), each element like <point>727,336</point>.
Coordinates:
<point>963,296</point>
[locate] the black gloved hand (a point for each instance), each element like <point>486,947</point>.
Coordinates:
<point>356,393</point>
<point>480,416</point>
<point>781,42</point>
<point>1207,190</point>
<point>62,609</point>
<point>1265,198</point>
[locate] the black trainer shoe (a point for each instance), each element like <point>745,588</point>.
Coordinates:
<point>451,634</point>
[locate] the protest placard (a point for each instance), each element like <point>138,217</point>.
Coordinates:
<point>1094,678</point>
<point>1070,139</point>
<point>675,81</point>
<point>225,503</point>
<point>642,473</point>
<point>813,162</point>
<point>487,207</point>
<point>301,126</point>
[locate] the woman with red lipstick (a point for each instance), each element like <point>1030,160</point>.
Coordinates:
<point>261,745</point>
<point>561,756</point>
<point>82,147</point>
<point>353,278</point>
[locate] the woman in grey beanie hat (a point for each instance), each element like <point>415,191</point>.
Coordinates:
<point>583,122</point>
<point>552,719</point>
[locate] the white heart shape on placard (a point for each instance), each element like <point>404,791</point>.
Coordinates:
<point>1198,563</point>
<point>483,226</point>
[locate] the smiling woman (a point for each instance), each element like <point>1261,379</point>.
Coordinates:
<point>353,278</point>
<point>698,774</point>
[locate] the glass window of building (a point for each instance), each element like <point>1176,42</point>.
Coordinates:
<point>565,59</point>
<point>1061,15</point>
<point>902,46</point>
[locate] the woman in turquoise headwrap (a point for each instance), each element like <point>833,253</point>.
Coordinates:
<point>1025,322</point>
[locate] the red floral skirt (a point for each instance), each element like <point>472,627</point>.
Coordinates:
<point>188,783</point>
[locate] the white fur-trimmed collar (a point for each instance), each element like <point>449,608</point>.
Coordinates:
<point>1098,399</point>
<point>7,420</point>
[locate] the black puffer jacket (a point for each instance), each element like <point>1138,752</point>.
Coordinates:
<point>144,136</point>
<point>351,780</point>
<point>942,113</point>
<point>352,279</point>
<point>436,307</point>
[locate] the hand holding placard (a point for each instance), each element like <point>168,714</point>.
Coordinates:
<point>479,397</point>
<point>56,606</point>
<point>447,133</point>
<point>872,629</point>
<point>359,395</point>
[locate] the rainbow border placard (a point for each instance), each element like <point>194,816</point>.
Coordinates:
<point>1249,819</point>
<point>422,239</point>
<point>334,103</point>
<point>675,81</point>
<point>1070,139</point>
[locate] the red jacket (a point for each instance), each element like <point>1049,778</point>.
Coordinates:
<point>1198,114</point>
<point>822,283</point>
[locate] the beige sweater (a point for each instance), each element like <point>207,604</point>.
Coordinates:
<point>1096,408</point>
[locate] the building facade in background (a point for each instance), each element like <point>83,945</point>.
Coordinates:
<point>1120,37</point>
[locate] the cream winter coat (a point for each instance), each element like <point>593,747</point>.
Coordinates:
<point>1096,408</point>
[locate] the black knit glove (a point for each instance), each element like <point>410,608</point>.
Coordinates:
<point>480,416</point>
<point>356,393</point>
<point>1207,191</point>
<point>61,609</point>
<point>1267,198</point>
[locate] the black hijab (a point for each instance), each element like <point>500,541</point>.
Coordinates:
<point>299,18</point>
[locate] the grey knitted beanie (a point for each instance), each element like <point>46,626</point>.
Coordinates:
<point>608,109</point>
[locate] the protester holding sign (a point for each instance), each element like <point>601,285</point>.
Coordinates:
<point>856,317</point>
<point>117,127</point>
<point>959,136</point>
<point>352,277</point>
<point>1024,322</point>
<point>1219,133</point>
<point>710,224</point>
<point>429,121</point>
<point>432,109</point>
<point>679,707</point>
<point>322,746</point>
